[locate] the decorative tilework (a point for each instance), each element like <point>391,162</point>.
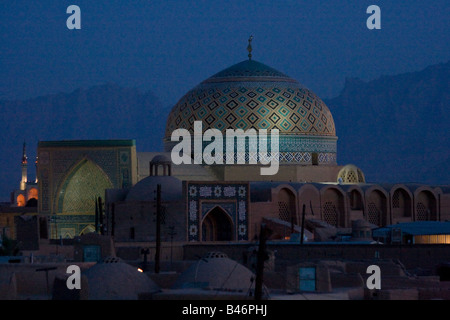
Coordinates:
<point>231,197</point>
<point>248,86</point>
<point>79,192</point>
<point>68,226</point>
<point>251,95</point>
<point>108,164</point>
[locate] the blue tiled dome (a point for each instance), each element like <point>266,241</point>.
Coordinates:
<point>251,94</point>
<point>248,68</point>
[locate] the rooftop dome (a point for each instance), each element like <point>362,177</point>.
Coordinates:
<point>248,68</point>
<point>117,281</point>
<point>250,95</point>
<point>351,174</point>
<point>145,190</point>
<point>217,272</point>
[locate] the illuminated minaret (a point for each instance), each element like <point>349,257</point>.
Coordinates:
<point>36,165</point>
<point>23,183</point>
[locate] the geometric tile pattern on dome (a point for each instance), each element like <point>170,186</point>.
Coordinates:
<point>283,157</point>
<point>273,105</point>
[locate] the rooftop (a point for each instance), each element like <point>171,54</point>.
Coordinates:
<point>417,228</point>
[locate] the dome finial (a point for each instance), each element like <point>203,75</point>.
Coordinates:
<point>249,48</point>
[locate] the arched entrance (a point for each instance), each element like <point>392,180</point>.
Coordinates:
<point>81,189</point>
<point>426,206</point>
<point>33,193</point>
<point>401,204</point>
<point>356,200</point>
<point>77,198</point>
<point>217,226</point>
<point>20,200</point>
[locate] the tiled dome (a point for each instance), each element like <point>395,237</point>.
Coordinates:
<point>251,94</point>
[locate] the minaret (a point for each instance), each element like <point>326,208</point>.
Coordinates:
<point>23,182</point>
<point>36,166</point>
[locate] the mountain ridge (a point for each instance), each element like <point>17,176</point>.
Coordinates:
<point>392,119</point>
<point>395,128</point>
<point>105,111</point>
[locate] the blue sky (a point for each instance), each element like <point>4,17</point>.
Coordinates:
<point>170,46</point>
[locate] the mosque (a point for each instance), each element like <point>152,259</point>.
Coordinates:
<point>109,187</point>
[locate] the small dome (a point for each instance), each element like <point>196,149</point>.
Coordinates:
<point>351,174</point>
<point>117,281</point>
<point>145,190</point>
<point>216,271</point>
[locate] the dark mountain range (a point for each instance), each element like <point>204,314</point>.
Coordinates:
<point>102,112</point>
<point>396,128</point>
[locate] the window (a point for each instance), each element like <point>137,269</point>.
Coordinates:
<point>315,159</point>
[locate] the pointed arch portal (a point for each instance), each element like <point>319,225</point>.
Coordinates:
<point>217,226</point>
<point>82,186</point>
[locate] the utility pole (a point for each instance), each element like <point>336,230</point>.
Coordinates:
<point>292,222</point>
<point>100,215</point>
<point>145,252</point>
<point>113,219</point>
<point>158,228</point>
<point>171,234</point>
<point>261,258</point>
<point>303,225</point>
<point>46,277</point>
<point>96,215</point>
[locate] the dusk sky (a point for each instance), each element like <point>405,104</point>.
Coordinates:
<point>168,47</point>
